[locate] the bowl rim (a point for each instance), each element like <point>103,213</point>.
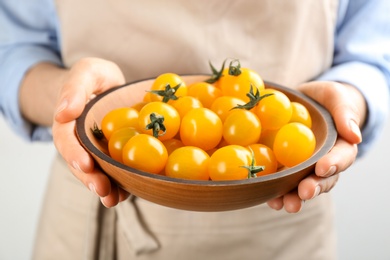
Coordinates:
<point>91,148</point>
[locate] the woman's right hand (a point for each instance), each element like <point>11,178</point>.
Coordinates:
<point>87,78</point>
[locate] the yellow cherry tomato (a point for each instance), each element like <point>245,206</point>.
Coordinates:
<point>300,114</point>
<point>238,84</point>
<point>171,119</point>
<point>119,118</point>
<point>294,143</point>
<point>171,79</point>
<point>222,105</point>
<point>204,92</point>
<point>138,106</point>
<point>275,110</point>
<point>267,137</point>
<point>172,144</point>
<point>185,104</point>
<point>147,97</point>
<point>188,162</point>
<point>118,140</point>
<point>229,162</point>
<point>241,127</point>
<point>202,128</point>
<point>264,156</point>
<point>146,153</point>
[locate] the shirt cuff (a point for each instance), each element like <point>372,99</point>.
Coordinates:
<point>371,82</point>
<point>16,64</point>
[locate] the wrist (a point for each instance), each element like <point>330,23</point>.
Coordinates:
<point>39,91</point>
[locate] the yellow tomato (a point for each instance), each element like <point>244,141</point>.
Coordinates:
<point>119,118</point>
<point>275,110</point>
<point>171,120</point>
<point>185,104</point>
<point>238,83</point>
<point>222,105</point>
<point>118,140</point>
<point>168,79</point>
<point>264,156</point>
<point>202,128</point>
<point>172,144</point>
<point>300,114</point>
<point>241,127</point>
<point>146,153</point>
<point>188,162</point>
<point>294,143</point>
<point>229,162</point>
<point>204,92</point>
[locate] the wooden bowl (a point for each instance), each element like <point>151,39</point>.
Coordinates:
<point>198,195</point>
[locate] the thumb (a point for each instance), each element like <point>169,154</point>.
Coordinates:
<point>345,104</point>
<point>88,77</point>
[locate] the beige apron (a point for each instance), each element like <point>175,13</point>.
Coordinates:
<point>146,38</point>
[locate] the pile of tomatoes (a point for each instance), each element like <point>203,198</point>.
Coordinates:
<point>229,127</point>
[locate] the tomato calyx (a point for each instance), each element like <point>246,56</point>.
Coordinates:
<point>217,74</point>
<point>234,69</point>
<point>156,124</point>
<point>253,169</point>
<point>168,93</point>
<point>254,99</point>
<point>97,132</point>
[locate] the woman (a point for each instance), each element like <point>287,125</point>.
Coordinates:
<point>58,54</point>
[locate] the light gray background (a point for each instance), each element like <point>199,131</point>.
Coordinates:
<point>362,199</point>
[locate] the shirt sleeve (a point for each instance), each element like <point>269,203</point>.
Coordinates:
<point>362,59</point>
<point>29,36</point>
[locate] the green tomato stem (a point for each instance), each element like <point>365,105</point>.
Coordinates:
<point>216,74</point>
<point>97,132</point>
<point>168,93</point>
<point>253,169</point>
<point>156,124</point>
<point>254,99</point>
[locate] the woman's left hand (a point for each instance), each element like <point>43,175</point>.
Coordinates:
<point>348,109</point>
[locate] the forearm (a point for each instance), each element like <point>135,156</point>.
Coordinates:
<point>39,92</point>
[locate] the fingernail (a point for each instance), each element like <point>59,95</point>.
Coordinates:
<point>355,129</point>
<point>332,170</point>
<point>76,166</point>
<point>316,192</point>
<point>92,188</point>
<point>62,106</point>
<point>102,201</point>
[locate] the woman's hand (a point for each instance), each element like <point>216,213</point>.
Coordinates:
<point>348,109</point>
<point>88,77</point>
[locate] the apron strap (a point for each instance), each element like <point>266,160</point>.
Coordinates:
<point>135,232</point>
<point>104,223</point>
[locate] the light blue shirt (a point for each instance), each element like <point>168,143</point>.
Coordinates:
<point>29,33</point>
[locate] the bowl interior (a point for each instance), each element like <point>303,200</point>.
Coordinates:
<point>198,195</point>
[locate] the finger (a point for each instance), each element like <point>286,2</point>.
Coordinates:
<point>276,203</point>
<point>112,199</point>
<point>339,158</point>
<point>123,195</point>
<point>341,101</point>
<point>292,202</point>
<point>312,186</point>
<point>327,170</point>
<point>69,147</point>
<point>96,181</point>
<point>88,77</point>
